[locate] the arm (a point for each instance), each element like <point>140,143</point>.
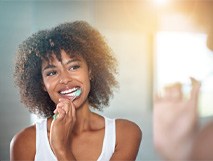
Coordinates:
<point>22,146</point>
<point>128,139</point>
<point>61,130</point>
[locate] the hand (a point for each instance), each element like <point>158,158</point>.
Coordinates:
<point>175,121</point>
<point>61,127</point>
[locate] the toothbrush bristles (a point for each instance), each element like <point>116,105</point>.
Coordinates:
<point>77,93</point>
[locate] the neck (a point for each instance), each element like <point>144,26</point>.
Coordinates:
<point>83,118</point>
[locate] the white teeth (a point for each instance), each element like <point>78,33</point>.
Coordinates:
<point>68,91</point>
<point>71,94</point>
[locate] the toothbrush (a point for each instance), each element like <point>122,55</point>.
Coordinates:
<point>76,94</point>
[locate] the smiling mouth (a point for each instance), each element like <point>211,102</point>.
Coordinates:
<point>73,92</point>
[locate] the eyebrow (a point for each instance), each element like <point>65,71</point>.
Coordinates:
<point>53,66</point>
<point>48,67</point>
<point>72,60</point>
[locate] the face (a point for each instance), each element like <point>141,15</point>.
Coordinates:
<point>61,79</point>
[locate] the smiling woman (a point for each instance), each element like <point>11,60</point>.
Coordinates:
<point>63,78</point>
<point>65,71</point>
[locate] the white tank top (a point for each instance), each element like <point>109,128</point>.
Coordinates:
<point>45,153</point>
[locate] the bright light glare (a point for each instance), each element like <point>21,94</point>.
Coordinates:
<point>160,2</point>
<point>180,55</point>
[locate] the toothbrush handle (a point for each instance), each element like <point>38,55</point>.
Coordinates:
<point>73,98</point>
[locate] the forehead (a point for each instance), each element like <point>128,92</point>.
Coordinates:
<point>62,58</point>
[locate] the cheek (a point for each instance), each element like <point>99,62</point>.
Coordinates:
<point>87,80</point>
<point>87,84</point>
<point>47,85</point>
<point>49,88</point>
<point>87,87</point>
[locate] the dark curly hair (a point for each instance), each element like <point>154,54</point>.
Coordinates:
<point>75,38</point>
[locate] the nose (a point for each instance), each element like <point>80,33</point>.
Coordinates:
<point>65,78</point>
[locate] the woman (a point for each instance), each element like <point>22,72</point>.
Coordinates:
<point>62,72</point>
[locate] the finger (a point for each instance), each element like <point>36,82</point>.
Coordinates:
<point>73,112</point>
<point>59,115</point>
<point>63,99</point>
<point>195,89</point>
<point>56,112</point>
<point>69,107</point>
<point>59,105</point>
<point>65,104</point>
<point>194,97</point>
<point>173,92</point>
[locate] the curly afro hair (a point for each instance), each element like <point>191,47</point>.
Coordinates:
<point>75,38</point>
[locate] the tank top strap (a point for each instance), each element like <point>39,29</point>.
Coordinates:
<point>109,140</point>
<point>110,134</point>
<point>43,149</point>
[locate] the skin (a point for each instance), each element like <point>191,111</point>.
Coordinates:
<point>203,144</point>
<point>175,121</point>
<point>75,124</point>
<point>178,136</point>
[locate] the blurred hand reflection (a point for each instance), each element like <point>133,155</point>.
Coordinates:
<point>175,121</point>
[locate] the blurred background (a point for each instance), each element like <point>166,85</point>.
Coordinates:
<point>155,41</point>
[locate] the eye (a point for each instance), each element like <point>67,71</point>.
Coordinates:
<point>74,67</point>
<point>51,73</point>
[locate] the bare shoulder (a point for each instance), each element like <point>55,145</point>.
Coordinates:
<point>128,128</point>
<point>128,139</point>
<point>23,144</point>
